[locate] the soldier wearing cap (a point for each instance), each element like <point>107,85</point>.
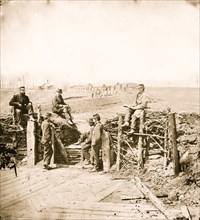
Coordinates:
<point>85,141</point>
<point>46,140</point>
<point>21,105</point>
<point>59,106</point>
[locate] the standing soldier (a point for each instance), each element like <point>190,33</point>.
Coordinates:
<point>47,140</point>
<point>86,141</point>
<point>96,140</point>
<point>21,105</point>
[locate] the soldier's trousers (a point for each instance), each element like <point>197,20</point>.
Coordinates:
<point>130,116</point>
<point>48,152</point>
<point>96,150</point>
<point>133,115</point>
<point>19,112</point>
<point>85,151</point>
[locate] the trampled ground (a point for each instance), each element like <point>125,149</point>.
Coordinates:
<point>89,184</point>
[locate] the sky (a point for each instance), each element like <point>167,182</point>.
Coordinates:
<point>78,42</point>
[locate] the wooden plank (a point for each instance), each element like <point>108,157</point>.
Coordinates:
<point>161,207</point>
<point>106,191</point>
<point>20,178</point>
<point>93,211</point>
<point>31,143</point>
<point>23,194</point>
<point>20,186</point>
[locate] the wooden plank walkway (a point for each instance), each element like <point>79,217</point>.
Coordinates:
<point>67,193</point>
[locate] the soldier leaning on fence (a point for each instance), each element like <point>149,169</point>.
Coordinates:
<point>21,105</point>
<point>46,140</point>
<point>96,140</point>
<point>86,140</point>
<point>135,111</point>
<point>59,106</point>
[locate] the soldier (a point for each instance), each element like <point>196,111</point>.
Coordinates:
<point>96,140</point>
<point>60,107</point>
<point>134,112</point>
<point>85,141</point>
<point>46,140</point>
<point>21,105</point>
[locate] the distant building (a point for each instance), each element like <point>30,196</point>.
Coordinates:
<point>46,86</point>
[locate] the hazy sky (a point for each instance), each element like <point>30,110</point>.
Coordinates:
<point>101,41</point>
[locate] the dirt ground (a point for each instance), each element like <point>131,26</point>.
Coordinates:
<point>173,191</point>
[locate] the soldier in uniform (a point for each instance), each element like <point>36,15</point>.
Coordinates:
<point>134,112</point>
<point>60,107</point>
<point>46,140</point>
<point>96,140</point>
<point>86,141</point>
<point>21,105</point>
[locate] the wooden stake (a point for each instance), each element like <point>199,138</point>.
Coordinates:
<point>118,162</point>
<point>140,142</point>
<point>31,143</point>
<point>39,114</point>
<point>172,139</point>
<point>53,147</point>
<point>165,148</point>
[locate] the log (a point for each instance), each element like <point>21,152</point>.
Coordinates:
<point>172,139</point>
<point>119,140</point>
<point>148,194</point>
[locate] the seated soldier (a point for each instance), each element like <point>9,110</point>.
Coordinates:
<point>85,140</point>
<point>21,105</point>
<point>60,107</point>
<point>135,111</point>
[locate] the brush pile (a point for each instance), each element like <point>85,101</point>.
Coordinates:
<point>12,137</point>
<point>155,126</point>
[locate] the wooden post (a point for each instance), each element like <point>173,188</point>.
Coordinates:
<point>172,139</point>
<point>39,114</point>
<point>53,148</point>
<point>118,162</point>
<point>140,142</point>
<point>165,148</point>
<point>31,143</point>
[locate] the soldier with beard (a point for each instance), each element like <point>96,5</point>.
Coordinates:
<point>21,105</point>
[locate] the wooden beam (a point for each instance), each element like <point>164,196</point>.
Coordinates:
<point>119,140</point>
<point>173,143</point>
<point>149,135</point>
<point>149,195</point>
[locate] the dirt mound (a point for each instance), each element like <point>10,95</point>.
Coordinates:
<point>174,190</point>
